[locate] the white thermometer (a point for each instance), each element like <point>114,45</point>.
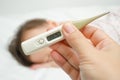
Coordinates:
<point>52,36</point>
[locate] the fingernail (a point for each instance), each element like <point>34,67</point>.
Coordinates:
<point>69,28</point>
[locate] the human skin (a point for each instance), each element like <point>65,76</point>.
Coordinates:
<point>94,55</point>
<point>41,58</point>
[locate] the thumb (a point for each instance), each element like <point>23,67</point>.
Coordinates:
<point>76,39</point>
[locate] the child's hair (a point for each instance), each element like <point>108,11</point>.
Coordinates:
<point>15,45</point>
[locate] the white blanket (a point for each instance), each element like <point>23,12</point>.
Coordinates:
<point>110,24</point>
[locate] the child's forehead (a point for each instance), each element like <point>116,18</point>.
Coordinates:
<point>34,32</point>
<point>43,26</point>
<point>39,27</point>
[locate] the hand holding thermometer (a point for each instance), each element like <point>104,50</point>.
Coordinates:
<point>52,36</point>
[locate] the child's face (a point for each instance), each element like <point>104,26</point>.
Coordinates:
<point>43,55</point>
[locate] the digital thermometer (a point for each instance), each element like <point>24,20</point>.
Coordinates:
<point>52,36</point>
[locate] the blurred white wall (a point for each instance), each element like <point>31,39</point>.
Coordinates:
<point>8,7</point>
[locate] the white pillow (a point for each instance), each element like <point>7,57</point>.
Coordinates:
<point>10,69</point>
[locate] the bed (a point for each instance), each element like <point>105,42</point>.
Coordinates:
<point>11,70</point>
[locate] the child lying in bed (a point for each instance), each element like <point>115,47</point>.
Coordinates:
<point>31,28</point>
<point>42,57</point>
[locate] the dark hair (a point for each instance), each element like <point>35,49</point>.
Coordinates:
<point>15,45</point>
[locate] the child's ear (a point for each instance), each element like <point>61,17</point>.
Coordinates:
<point>52,23</point>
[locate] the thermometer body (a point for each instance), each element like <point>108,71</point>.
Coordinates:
<point>42,40</point>
<point>52,36</point>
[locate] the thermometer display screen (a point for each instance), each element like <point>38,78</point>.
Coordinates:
<point>53,36</point>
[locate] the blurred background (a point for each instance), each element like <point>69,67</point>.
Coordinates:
<point>13,13</point>
<point>11,7</point>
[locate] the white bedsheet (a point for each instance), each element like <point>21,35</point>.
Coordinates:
<point>110,24</point>
<point>11,70</point>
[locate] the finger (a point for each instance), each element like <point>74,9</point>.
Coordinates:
<point>65,42</point>
<point>73,73</point>
<point>68,53</point>
<point>76,39</point>
<point>94,34</point>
